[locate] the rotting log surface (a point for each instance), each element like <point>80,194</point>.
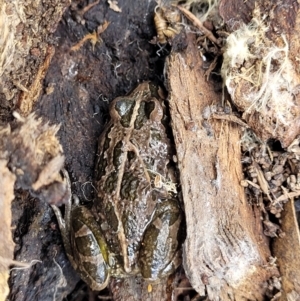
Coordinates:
<point>223,251</point>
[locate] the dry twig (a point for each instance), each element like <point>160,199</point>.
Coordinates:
<point>198,24</point>
<point>230,117</point>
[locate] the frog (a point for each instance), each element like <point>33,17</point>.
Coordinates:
<point>134,226</point>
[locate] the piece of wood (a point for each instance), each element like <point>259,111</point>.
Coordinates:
<point>224,254</point>
<point>31,159</point>
<point>7,180</point>
<point>286,250</point>
<point>260,68</point>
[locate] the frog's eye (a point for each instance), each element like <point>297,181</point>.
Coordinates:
<point>124,108</point>
<point>148,108</point>
<point>144,113</point>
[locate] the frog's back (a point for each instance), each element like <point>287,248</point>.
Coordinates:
<point>134,151</point>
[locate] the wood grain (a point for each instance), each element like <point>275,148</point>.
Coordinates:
<point>223,255</point>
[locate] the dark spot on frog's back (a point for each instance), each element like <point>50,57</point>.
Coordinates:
<point>130,155</point>
<point>111,182</point>
<point>125,108</point>
<point>130,183</point>
<point>144,112</point>
<point>111,217</point>
<point>117,154</point>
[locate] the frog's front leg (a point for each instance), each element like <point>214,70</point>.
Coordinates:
<point>84,243</point>
<point>160,250</point>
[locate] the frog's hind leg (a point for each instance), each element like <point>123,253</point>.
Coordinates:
<point>172,266</point>
<point>160,250</point>
<point>91,254</point>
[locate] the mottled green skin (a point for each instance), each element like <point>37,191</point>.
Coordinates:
<point>135,222</point>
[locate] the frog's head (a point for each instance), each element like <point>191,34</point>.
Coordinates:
<point>143,104</point>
